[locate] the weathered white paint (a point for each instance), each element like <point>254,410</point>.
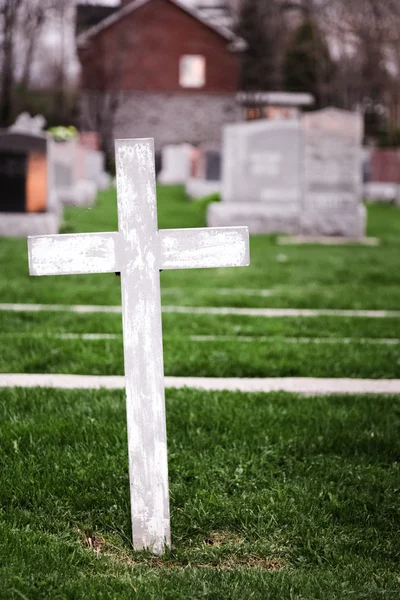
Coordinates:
<point>210,310</point>
<point>138,251</point>
<point>204,248</point>
<point>73,254</point>
<point>143,356</point>
<point>299,385</point>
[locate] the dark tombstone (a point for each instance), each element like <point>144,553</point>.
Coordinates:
<point>23,173</point>
<point>213,165</point>
<point>158,161</point>
<point>28,203</point>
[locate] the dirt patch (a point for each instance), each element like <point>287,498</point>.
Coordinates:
<point>216,539</point>
<point>94,542</point>
<point>221,538</point>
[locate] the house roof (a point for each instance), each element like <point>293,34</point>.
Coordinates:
<point>237,44</point>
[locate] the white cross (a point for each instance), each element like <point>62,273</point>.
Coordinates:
<point>139,251</point>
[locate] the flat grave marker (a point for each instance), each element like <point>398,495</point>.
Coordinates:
<point>139,251</point>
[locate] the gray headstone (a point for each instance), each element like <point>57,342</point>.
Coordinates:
<point>262,163</point>
<point>332,158</point>
<point>176,164</point>
<point>302,177</point>
<point>64,159</point>
<point>333,173</point>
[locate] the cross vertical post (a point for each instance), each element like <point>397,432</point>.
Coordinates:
<point>143,352</point>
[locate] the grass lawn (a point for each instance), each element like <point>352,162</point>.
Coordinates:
<point>294,277</point>
<point>298,277</point>
<point>273,496</point>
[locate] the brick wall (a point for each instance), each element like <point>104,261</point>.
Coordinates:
<point>385,165</point>
<point>141,52</point>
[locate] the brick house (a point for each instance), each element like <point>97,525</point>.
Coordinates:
<point>162,69</point>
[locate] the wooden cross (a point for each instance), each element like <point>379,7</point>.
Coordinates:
<point>138,250</point>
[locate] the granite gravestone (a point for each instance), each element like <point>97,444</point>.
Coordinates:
<point>70,173</point>
<point>205,176</point>
<point>261,183</point>
<point>95,169</point>
<point>176,161</point>
<point>333,174</point>
<point>28,204</point>
<point>302,177</point>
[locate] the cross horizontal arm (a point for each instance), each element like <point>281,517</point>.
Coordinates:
<point>73,254</point>
<point>201,248</point>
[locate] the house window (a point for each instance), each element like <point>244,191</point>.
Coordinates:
<point>192,71</point>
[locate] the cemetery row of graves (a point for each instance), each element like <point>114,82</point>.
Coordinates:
<point>276,491</point>
<point>270,493</point>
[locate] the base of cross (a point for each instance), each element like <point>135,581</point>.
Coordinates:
<point>137,253</point>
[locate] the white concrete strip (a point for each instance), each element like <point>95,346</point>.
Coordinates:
<point>210,310</point>
<point>219,291</point>
<point>295,340</point>
<point>215,338</point>
<point>85,336</point>
<point>242,292</point>
<point>64,336</point>
<point>76,308</point>
<point>280,312</point>
<point>305,386</point>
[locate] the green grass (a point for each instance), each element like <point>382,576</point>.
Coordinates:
<point>272,496</point>
<point>310,277</point>
<point>27,345</point>
<point>185,357</point>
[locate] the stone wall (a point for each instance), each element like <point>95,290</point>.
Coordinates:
<point>172,118</point>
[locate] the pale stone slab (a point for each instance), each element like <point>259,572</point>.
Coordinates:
<point>200,188</point>
<point>330,240</point>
